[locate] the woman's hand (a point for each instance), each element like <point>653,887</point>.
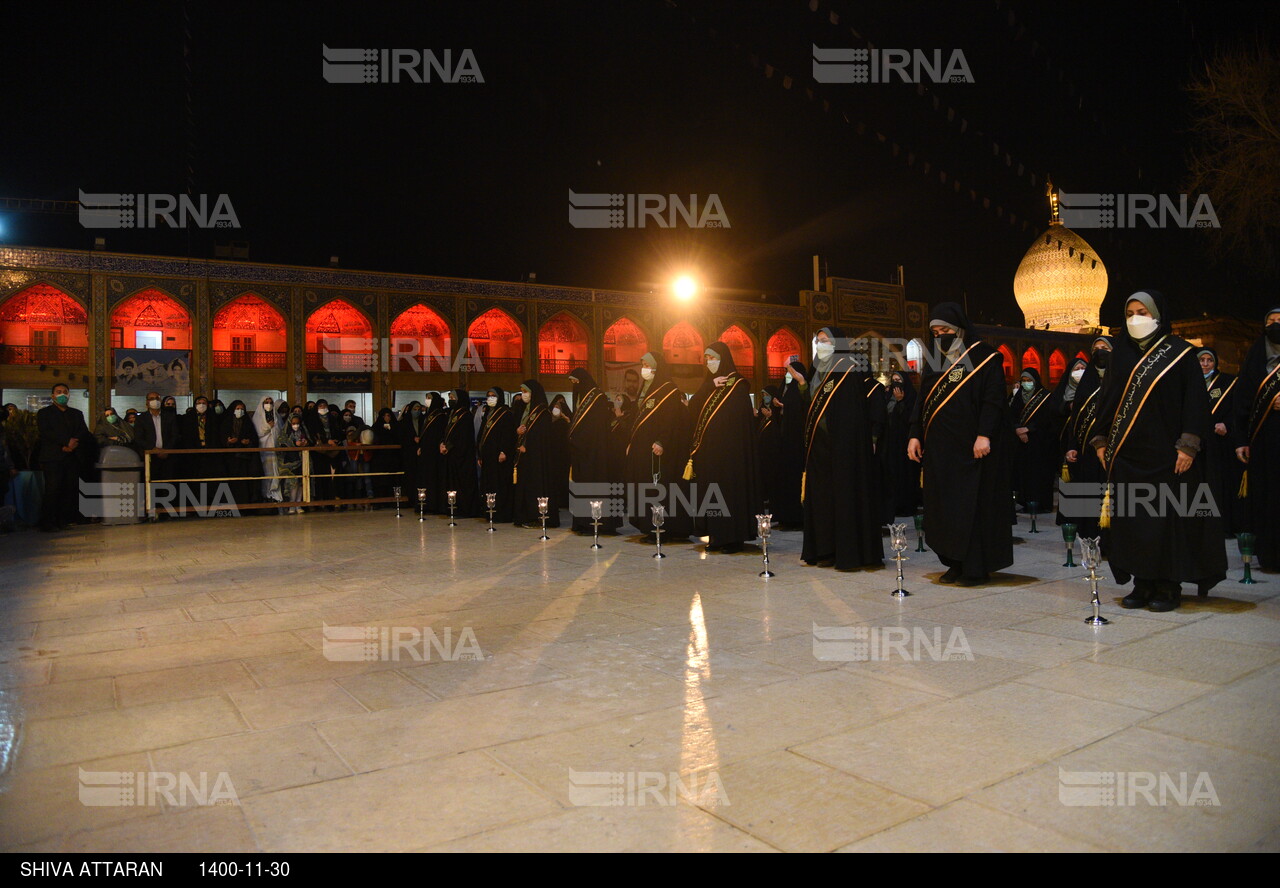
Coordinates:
<point>981,446</point>
<point>914,451</point>
<point>1184,462</point>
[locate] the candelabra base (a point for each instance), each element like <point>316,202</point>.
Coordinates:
<point>767,574</point>
<point>1097,621</point>
<point>899,593</point>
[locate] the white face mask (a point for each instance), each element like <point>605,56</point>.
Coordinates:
<point>824,350</point>
<point>201,408</point>
<point>239,413</point>
<point>1028,385</point>
<point>323,411</point>
<point>1141,326</point>
<point>788,378</point>
<point>492,401</point>
<point>646,373</point>
<point>555,411</point>
<point>713,364</point>
<point>1077,375</point>
<point>154,405</point>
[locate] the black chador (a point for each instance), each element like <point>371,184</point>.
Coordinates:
<point>658,449</point>
<point>430,461</point>
<point>722,462</point>
<point>901,475</point>
<point>1061,404</point>
<point>1258,429</point>
<point>788,511</point>
<point>534,475</point>
<point>496,452</point>
<point>590,443</point>
<point>458,447</point>
<point>1081,502</point>
<point>1036,463</point>
<point>769,447</point>
<point>961,413</point>
<point>1154,415</point>
<point>840,487</point>
<point>1225,469</point>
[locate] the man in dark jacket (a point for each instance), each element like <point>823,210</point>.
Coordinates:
<point>62,433</point>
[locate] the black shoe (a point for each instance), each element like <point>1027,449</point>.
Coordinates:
<point>973,581</point>
<point>1166,600</point>
<point>731,549</point>
<point>1136,599</point>
<point>951,577</point>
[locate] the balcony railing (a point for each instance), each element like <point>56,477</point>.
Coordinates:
<point>777,372</point>
<point>67,355</point>
<point>503,365</point>
<point>255,360</point>
<point>555,365</point>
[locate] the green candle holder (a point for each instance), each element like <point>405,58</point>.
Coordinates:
<point>1033,508</point>
<point>920,531</point>
<point>1245,541</point>
<point>1069,537</point>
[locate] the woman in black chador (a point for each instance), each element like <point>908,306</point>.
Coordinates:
<point>840,487</point>
<point>722,459</point>
<point>1257,438</point>
<point>458,451</point>
<point>1079,461</point>
<point>561,420</point>
<point>769,446</point>
<point>1036,462</point>
<point>1225,469</point>
<point>961,435</point>
<point>384,432</point>
<point>1153,418</point>
<point>534,474</point>
<point>496,451</point>
<point>590,450</point>
<point>430,461</point>
<point>1061,404</point>
<point>658,448</point>
<point>787,511</point>
<point>901,475</point>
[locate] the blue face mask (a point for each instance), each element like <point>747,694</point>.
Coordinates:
<point>1028,385</point>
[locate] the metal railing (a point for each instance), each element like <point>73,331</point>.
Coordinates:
<point>305,478</point>
<point>256,360</point>
<point>502,365</point>
<point>73,355</point>
<point>556,365</point>
<point>365,363</point>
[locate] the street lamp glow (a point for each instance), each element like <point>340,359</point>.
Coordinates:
<point>684,288</point>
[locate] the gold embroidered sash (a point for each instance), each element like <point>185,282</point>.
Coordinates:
<point>647,412</point>
<point>712,406</point>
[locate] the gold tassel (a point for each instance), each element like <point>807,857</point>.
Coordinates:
<point>514,470</point>
<point>1066,473</point>
<point>1244,485</point>
<point>1104,519</point>
<point>803,477</point>
<point>688,470</point>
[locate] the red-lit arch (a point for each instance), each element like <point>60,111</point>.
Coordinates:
<point>1057,366</point>
<point>1031,361</point>
<point>624,342</point>
<point>683,345</point>
<point>497,341</point>
<point>562,344</point>
<point>420,341</point>
<point>339,337</point>
<point>41,324</point>
<point>249,332</point>
<point>151,311</point>
<point>1010,366</point>
<point>742,349</point>
<point>782,345</point>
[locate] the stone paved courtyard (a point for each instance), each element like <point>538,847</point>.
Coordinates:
<point>616,702</point>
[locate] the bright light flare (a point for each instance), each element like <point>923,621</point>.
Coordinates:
<point>684,287</point>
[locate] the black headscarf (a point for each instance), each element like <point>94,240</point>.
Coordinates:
<point>908,402</point>
<point>774,392</point>
<point>953,315</point>
<point>583,386</point>
<point>434,403</point>
<point>709,379</point>
<point>659,374</point>
<point>1263,354</point>
<point>1161,315</point>
<point>537,398</point>
<point>565,411</point>
<point>464,401</point>
<point>499,393</point>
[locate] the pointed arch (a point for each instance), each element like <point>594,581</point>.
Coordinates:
<point>151,311</point>
<point>682,344</point>
<point>420,341</point>
<point>562,344</point>
<point>624,342</point>
<point>498,341</point>
<point>1031,361</point>
<point>781,345</point>
<point>1057,366</point>
<point>1011,370</point>
<point>742,348</point>
<point>42,324</point>
<point>339,337</point>
<point>249,332</point>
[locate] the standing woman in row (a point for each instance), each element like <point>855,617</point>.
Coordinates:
<point>658,447</point>
<point>769,447</point>
<point>388,461</point>
<point>1062,405</point>
<point>458,449</point>
<point>534,473</point>
<point>840,488</point>
<point>1153,419</point>
<point>1225,468</point>
<point>561,420</point>
<point>1036,464</point>
<point>961,436</point>
<point>723,454</point>
<point>787,511</point>
<point>430,460</point>
<point>496,450</point>
<point>901,475</point>
<point>1258,440</point>
<point>590,445</point>
<point>1079,461</point>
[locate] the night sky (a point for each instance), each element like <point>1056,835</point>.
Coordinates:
<point>649,96</point>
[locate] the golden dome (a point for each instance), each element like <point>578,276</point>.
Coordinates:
<point>1060,282</point>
